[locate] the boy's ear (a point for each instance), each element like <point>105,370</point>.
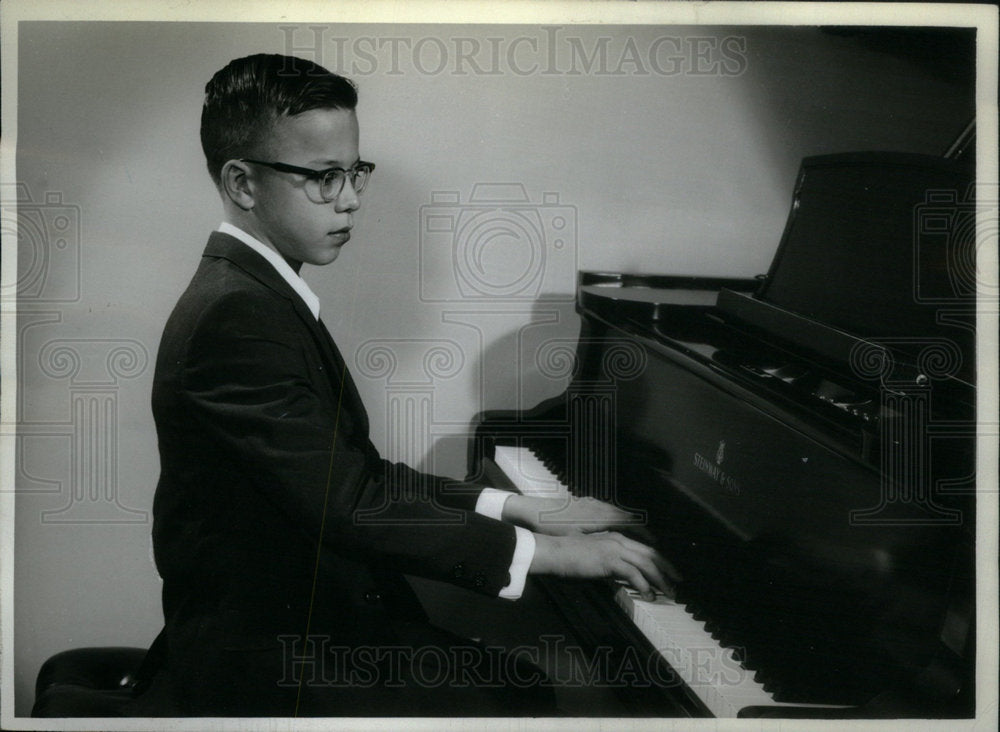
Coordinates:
<point>236,184</point>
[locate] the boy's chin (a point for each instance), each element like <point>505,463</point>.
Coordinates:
<point>326,257</point>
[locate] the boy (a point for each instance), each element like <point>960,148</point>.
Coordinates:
<point>282,595</point>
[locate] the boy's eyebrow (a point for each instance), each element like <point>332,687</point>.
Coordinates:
<point>329,163</point>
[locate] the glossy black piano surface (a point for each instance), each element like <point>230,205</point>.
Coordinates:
<point>812,479</point>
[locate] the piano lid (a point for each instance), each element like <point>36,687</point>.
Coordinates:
<point>881,245</point>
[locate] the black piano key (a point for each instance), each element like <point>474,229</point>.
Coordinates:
<point>697,612</point>
<point>742,657</point>
<point>764,678</point>
<point>683,593</point>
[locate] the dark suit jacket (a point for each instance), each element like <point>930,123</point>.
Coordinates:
<point>274,515</point>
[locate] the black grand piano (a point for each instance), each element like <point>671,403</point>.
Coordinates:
<point>801,445</point>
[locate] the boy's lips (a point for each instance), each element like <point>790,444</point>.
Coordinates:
<point>343,235</point>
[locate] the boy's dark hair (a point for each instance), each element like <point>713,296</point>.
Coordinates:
<point>249,94</point>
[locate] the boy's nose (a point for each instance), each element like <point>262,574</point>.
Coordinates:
<point>347,200</point>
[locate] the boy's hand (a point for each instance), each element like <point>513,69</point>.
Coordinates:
<point>604,555</point>
<point>571,516</point>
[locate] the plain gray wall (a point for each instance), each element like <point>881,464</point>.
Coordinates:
<point>688,172</point>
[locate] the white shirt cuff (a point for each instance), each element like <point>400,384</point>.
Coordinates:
<point>524,552</point>
<point>490,502</point>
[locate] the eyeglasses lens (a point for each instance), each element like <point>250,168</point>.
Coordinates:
<point>333,183</point>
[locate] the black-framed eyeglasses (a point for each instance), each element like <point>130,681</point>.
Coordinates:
<point>330,180</point>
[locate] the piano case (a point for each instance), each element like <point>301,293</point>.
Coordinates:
<point>802,445</point>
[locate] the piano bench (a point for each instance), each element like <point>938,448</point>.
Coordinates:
<point>86,682</point>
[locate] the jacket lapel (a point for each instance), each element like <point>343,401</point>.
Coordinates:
<point>232,249</point>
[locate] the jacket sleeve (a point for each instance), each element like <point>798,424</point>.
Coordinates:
<point>246,384</point>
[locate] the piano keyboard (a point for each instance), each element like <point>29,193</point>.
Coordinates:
<point>527,471</point>
<point>712,672</point>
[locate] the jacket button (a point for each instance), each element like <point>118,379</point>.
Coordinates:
<point>479,580</point>
<point>371,597</point>
<point>458,570</point>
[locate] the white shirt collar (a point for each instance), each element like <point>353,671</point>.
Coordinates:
<point>278,262</point>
